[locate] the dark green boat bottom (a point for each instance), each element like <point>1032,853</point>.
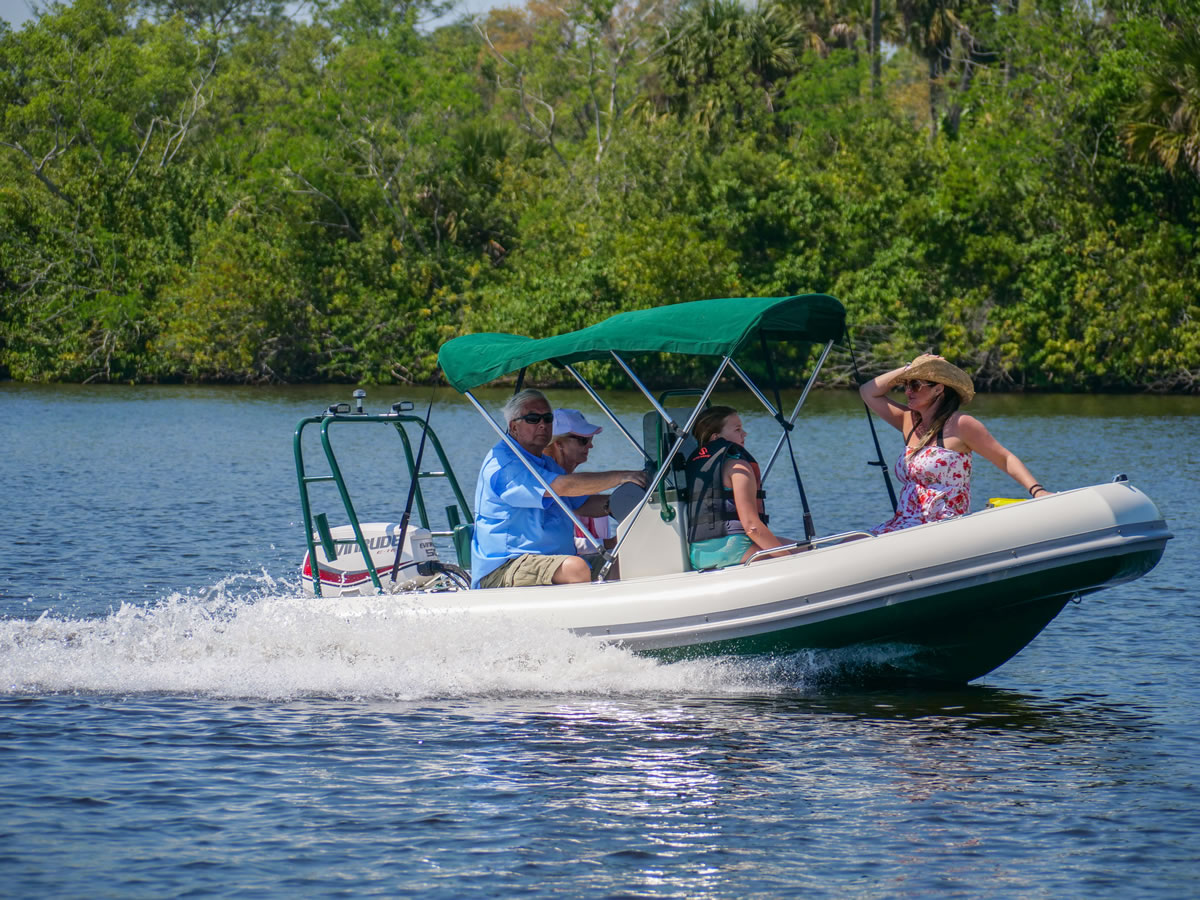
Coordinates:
<point>950,637</point>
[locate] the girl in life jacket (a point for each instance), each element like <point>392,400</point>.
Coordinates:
<point>727,523</point>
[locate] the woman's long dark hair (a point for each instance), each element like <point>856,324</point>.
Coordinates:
<point>949,405</point>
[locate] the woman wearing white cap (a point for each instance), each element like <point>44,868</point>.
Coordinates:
<point>569,447</point>
<point>935,467</point>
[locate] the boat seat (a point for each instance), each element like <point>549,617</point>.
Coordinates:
<point>657,441</point>
<point>463,535</point>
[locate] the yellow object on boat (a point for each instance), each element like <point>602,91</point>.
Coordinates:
<point>1004,501</point>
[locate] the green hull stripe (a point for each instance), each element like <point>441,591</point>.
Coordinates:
<point>955,636</point>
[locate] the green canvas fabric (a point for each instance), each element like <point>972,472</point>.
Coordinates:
<point>699,328</point>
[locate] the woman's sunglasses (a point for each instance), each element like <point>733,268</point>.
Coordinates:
<point>583,440</point>
<point>915,385</point>
<point>535,418</point>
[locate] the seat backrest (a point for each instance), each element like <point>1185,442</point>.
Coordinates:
<point>462,544</point>
<point>658,440</point>
<point>461,534</point>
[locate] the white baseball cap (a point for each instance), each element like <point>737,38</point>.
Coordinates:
<point>571,421</point>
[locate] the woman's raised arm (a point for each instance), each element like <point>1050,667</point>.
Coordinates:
<point>875,394</point>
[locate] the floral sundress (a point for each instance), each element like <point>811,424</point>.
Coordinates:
<point>937,485</point>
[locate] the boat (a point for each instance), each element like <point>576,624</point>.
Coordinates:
<point>944,602</point>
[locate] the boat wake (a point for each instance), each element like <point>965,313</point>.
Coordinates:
<point>255,637</point>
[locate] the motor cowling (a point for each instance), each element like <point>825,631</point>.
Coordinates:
<point>347,573</point>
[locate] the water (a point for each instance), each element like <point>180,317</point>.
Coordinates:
<point>175,721</point>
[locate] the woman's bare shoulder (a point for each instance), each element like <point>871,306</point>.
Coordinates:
<point>966,424</point>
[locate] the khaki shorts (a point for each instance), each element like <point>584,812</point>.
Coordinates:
<point>524,571</point>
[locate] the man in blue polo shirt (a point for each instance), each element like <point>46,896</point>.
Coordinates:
<point>521,536</point>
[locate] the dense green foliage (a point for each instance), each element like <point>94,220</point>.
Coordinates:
<point>206,190</point>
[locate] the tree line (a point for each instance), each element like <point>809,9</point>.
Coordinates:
<point>211,190</point>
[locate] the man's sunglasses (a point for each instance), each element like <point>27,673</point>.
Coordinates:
<point>535,418</point>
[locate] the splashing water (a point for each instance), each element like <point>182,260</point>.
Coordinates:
<point>256,637</point>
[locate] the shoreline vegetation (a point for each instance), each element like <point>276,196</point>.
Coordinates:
<point>208,191</point>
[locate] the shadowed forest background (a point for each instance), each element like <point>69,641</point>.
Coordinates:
<point>209,190</point>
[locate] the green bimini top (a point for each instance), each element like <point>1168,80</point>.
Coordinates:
<point>698,328</point>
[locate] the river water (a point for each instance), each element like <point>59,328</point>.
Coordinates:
<point>172,723</point>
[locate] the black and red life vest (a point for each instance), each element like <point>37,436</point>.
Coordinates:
<point>712,512</point>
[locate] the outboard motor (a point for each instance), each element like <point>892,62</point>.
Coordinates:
<point>347,574</point>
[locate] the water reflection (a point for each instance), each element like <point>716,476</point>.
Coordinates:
<point>977,707</point>
<point>940,770</point>
<point>727,795</point>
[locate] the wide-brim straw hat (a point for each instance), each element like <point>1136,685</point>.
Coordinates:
<point>936,369</point>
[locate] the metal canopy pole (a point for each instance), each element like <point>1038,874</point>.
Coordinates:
<point>608,412</point>
<point>795,412</point>
<point>637,382</point>
<point>754,389</point>
<point>680,434</point>
<point>520,453</point>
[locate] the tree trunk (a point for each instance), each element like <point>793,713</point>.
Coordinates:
<point>876,54</point>
<point>933,96</point>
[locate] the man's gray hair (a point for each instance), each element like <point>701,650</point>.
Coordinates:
<point>518,401</point>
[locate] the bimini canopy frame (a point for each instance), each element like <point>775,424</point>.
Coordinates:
<point>717,328</point>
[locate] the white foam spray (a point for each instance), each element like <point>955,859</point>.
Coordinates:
<point>251,636</point>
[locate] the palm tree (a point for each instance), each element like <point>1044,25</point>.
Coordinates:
<point>876,39</point>
<point>766,42</point>
<point>1165,121</point>
<point>873,20</point>
<point>930,27</point>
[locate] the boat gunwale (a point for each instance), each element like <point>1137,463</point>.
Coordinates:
<point>1111,541</point>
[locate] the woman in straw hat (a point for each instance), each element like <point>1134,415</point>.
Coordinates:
<point>935,467</point>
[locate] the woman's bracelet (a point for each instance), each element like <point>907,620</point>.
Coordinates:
<point>1034,488</point>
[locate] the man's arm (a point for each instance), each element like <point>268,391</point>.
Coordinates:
<point>580,484</point>
<point>594,506</point>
